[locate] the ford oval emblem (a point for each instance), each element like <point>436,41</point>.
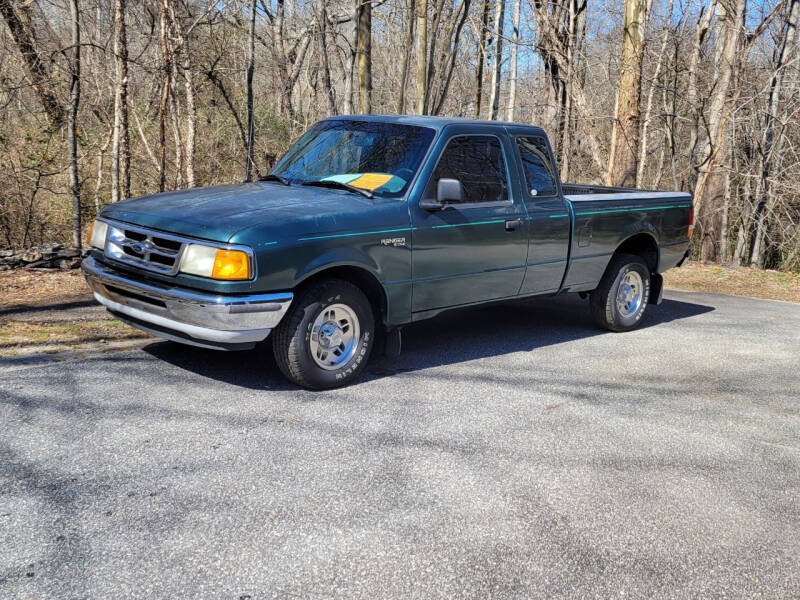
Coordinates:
<point>138,248</point>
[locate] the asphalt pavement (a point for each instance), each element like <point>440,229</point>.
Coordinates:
<point>511,451</point>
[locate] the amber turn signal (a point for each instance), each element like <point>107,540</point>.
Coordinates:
<point>231,265</point>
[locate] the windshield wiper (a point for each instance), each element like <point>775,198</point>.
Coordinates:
<point>341,185</point>
<point>273,177</point>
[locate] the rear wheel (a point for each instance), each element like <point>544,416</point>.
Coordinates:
<point>325,339</point>
<point>620,300</point>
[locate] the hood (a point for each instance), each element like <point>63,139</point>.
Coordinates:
<point>218,213</point>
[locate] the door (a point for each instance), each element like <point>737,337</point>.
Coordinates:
<point>549,226</point>
<point>473,250</point>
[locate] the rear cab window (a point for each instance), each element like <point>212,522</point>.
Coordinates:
<point>539,174</point>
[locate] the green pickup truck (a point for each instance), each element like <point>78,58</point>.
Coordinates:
<point>370,223</point>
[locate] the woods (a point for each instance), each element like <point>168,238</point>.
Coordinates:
<point>108,99</point>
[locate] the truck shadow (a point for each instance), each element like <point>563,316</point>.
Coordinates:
<point>457,336</point>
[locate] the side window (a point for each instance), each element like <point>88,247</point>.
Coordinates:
<point>477,161</point>
<point>535,163</point>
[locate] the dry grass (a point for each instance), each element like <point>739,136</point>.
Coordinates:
<point>33,319</point>
<point>735,281</point>
<point>19,338</point>
<point>22,287</point>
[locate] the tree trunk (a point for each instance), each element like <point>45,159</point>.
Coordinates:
<point>447,58</point>
<point>322,24</point>
<point>365,57</point>
<point>401,100</point>
<point>21,27</point>
<point>249,163</point>
<point>497,64</point>
<point>120,154</point>
<point>770,149</point>
<point>98,185</point>
<point>72,123</point>
<point>622,160</point>
<point>191,122</point>
<point>710,188</point>
<point>188,140</point>
<point>166,72</point>
<point>351,62</point>
<point>422,55</point>
<point>649,105</point>
<point>701,33</point>
<point>482,37</point>
<point>512,81</point>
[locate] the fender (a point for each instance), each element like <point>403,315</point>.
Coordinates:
<point>637,228</point>
<point>339,257</point>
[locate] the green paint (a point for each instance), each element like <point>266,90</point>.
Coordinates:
<point>469,224</point>
<point>623,210</point>
<point>340,235</point>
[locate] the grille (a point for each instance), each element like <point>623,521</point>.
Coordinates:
<point>144,248</point>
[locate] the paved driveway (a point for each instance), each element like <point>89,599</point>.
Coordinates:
<point>512,451</point>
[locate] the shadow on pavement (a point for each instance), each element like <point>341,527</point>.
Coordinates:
<point>16,309</point>
<point>457,336</point>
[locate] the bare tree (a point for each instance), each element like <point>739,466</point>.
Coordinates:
<point>422,55</point>
<point>771,148</point>
<point>19,22</point>
<point>163,106</point>
<point>72,122</point>
<point>120,153</point>
<point>249,161</point>
<point>512,80</point>
<point>365,57</point>
<point>497,61</point>
<point>322,46</point>
<point>409,42</point>
<point>622,160</point>
<point>483,40</point>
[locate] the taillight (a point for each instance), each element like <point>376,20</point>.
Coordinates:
<point>690,229</point>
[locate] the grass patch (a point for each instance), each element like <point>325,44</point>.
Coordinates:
<point>17,336</point>
<point>735,281</point>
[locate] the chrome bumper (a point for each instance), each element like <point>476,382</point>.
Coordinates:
<point>197,318</point>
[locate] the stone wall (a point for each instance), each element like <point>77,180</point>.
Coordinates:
<point>46,256</point>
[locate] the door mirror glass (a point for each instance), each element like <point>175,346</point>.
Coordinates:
<point>448,191</point>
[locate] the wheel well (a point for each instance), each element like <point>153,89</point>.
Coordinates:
<point>644,245</point>
<point>362,278</point>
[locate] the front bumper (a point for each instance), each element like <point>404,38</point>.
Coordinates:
<point>197,318</point>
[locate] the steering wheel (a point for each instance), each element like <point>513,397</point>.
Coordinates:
<point>405,170</point>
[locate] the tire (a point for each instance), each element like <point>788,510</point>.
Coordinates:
<point>619,302</point>
<point>329,316</point>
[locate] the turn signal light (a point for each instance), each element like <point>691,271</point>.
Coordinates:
<point>231,265</point>
<point>691,222</point>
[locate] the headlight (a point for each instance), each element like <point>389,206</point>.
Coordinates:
<point>96,237</point>
<point>217,263</point>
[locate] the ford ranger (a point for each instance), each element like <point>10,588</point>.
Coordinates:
<point>368,223</point>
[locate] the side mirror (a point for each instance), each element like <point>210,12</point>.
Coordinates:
<point>448,191</point>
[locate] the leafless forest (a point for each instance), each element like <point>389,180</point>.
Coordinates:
<point>108,99</point>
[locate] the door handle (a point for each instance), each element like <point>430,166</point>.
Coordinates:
<point>513,224</point>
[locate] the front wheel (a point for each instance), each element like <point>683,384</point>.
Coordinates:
<point>620,300</point>
<point>325,339</point>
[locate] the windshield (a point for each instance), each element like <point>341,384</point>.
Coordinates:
<point>379,157</point>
